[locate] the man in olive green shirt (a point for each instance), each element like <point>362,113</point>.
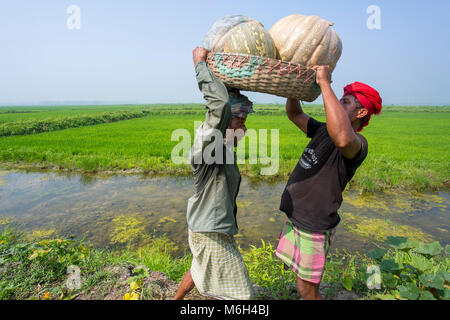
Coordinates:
<point>217,268</point>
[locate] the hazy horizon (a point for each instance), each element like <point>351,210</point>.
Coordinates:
<point>106,103</point>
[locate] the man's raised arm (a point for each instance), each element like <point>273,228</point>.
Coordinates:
<point>295,113</point>
<point>214,92</point>
<point>338,122</point>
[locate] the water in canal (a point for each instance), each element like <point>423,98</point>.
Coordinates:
<point>111,210</point>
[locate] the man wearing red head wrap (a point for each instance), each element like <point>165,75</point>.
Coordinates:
<point>367,97</point>
<point>313,193</point>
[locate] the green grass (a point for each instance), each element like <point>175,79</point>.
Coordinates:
<point>33,126</point>
<point>21,113</point>
<point>12,114</point>
<point>33,268</point>
<point>408,146</point>
<point>29,267</point>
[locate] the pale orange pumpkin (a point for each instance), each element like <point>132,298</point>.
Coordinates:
<point>306,40</point>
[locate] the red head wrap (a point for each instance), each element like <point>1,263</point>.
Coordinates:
<point>368,97</point>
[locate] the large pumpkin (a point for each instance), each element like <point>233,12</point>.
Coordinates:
<point>306,40</point>
<point>240,34</point>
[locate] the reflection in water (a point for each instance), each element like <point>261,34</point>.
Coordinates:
<point>109,210</point>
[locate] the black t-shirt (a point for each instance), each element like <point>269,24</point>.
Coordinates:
<point>313,193</point>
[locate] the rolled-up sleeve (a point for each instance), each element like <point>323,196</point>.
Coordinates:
<point>217,119</point>
<point>216,97</point>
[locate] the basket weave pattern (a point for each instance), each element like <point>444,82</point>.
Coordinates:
<point>267,75</point>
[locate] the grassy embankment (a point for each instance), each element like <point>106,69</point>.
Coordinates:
<point>408,146</point>
<point>33,268</point>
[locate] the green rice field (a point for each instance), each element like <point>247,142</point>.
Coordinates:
<point>409,147</point>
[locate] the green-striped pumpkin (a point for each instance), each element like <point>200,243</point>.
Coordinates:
<point>240,34</point>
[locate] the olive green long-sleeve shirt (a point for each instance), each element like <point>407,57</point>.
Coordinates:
<point>213,206</point>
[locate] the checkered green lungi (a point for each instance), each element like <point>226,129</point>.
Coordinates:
<point>304,252</point>
<point>218,269</point>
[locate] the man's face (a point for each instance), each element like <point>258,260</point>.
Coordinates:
<point>235,124</point>
<point>238,123</point>
<point>352,107</point>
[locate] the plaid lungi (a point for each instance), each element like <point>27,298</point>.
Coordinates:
<point>304,252</point>
<point>218,269</point>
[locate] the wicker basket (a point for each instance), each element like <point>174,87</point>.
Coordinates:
<point>267,75</point>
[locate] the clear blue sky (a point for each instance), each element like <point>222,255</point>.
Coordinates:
<point>140,51</point>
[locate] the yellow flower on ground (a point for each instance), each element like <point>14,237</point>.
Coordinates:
<point>83,249</point>
<point>46,295</point>
<point>131,296</point>
<point>134,285</point>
